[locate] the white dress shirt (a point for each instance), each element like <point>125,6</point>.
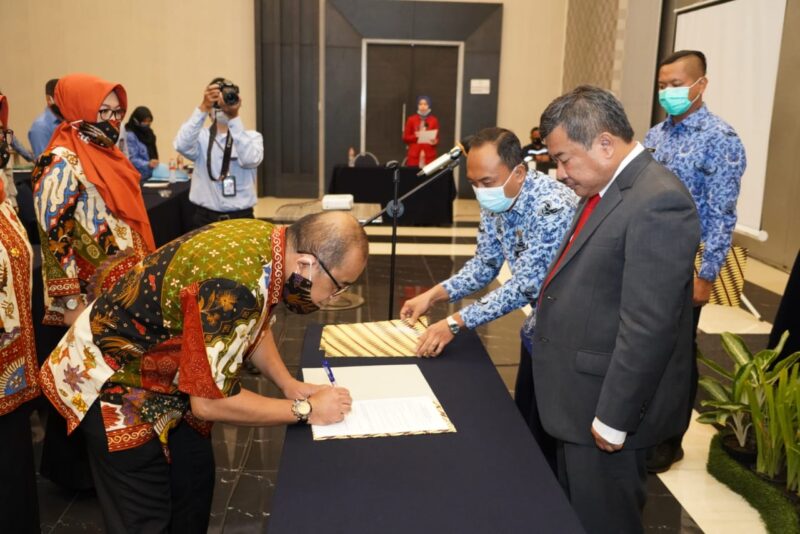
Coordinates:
<point>247,154</point>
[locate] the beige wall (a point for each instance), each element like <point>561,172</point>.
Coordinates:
<point>531,61</point>
<point>614,44</point>
<point>591,32</point>
<point>638,47</point>
<point>163,52</point>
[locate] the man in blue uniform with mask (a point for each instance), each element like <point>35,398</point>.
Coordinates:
<point>707,155</point>
<point>524,216</point>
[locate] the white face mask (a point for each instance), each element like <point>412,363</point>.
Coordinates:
<point>494,199</point>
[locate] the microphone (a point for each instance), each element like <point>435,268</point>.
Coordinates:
<point>442,161</point>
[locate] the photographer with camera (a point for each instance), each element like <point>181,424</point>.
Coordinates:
<point>225,156</point>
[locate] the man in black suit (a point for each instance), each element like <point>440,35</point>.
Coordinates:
<point>612,352</point>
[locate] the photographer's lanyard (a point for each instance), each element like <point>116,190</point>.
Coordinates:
<point>226,153</point>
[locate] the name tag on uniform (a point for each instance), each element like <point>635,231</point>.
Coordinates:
<point>229,186</point>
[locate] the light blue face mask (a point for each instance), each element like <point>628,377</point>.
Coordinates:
<point>675,100</point>
<point>494,199</point>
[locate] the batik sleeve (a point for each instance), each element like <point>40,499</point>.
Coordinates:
<point>219,316</point>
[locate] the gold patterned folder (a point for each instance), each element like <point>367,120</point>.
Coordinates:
<point>377,339</point>
<point>728,287</point>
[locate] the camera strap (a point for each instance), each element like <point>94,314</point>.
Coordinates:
<point>226,153</point>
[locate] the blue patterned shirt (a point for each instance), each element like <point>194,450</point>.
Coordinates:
<point>137,153</point>
<point>707,155</point>
<point>527,236</point>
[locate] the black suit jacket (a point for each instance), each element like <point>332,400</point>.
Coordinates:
<point>614,326</point>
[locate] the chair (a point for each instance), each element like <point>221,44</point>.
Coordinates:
<point>366,159</point>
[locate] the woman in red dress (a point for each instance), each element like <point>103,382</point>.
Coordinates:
<point>420,154</point>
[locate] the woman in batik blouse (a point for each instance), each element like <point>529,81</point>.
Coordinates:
<point>93,227</point>
<point>92,220</point>
<point>19,511</point>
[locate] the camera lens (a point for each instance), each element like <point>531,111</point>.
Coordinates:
<point>230,97</point>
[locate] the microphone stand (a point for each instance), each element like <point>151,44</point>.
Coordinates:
<point>395,209</point>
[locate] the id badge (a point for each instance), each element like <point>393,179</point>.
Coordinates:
<point>229,186</point>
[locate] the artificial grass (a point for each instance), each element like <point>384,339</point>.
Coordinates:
<point>778,513</point>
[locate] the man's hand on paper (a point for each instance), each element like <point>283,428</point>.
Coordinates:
<point>329,405</point>
<point>301,390</point>
<point>434,339</point>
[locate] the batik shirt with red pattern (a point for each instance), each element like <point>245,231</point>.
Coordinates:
<point>18,365</point>
<point>180,323</point>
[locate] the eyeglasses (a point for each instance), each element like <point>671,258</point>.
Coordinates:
<point>106,114</point>
<point>339,288</point>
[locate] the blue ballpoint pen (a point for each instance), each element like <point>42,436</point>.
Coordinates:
<point>329,372</point>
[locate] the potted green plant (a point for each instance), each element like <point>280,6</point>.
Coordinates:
<point>742,389</point>
<point>729,405</point>
<point>788,413</point>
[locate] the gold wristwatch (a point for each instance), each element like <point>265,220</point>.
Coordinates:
<point>301,409</point>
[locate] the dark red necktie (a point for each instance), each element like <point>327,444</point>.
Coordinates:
<point>587,211</point>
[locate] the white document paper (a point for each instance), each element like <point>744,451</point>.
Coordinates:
<point>385,417</point>
<point>427,137</point>
<point>388,400</point>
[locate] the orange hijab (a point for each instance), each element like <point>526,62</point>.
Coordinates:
<point>4,124</point>
<point>78,97</point>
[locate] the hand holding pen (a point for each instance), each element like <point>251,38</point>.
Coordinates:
<point>329,372</point>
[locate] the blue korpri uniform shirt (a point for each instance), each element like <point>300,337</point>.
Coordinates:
<point>527,236</point>
<point>707,155</point>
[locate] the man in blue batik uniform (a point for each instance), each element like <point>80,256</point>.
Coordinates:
<point>707,155</point>
<point>524,216</point>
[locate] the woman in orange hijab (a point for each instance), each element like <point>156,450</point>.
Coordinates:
<point>92,220</point>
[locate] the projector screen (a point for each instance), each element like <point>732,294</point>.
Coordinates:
<point>741,40</point>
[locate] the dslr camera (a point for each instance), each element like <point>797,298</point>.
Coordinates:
<point>230,92</point>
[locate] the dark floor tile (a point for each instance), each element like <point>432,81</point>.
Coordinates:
<point>230,445</point>
<point>249,506</point>
<point>763,300</point>
<point>83,515</point>
<point>226,481</point>
<point>662,513</point>
<point>264,455</point>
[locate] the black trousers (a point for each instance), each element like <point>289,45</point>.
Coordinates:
<point>525,398</point>
<point>19,506</point>
<point>139,491</point>
<point>676,441</point>
<point>64,459</point>
<point>203,216</point>
<point>606,490</point>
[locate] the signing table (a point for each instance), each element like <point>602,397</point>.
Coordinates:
<point>488,476</point>
<point>431,206</point>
